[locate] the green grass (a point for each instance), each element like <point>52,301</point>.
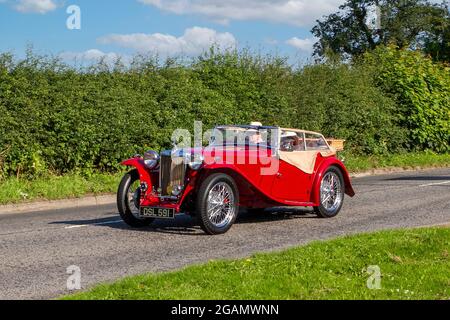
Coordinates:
<point>415,264</point>
<point>406,161</point>
<point>14,190</point>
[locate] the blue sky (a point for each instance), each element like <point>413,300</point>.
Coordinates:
<point>166,27</point>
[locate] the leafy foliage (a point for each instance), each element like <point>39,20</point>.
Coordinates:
<point>342,102</point>
<point>437,43</point>
<point>416,24</point>
<point>422,91</point>
<point>58,119</point>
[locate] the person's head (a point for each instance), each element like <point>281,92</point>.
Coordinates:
<point>255,137</point>
<point>288,141</point>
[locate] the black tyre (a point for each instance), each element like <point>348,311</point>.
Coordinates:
<point>331,192</point>
<point>128,200</point>
<point>217,204</point>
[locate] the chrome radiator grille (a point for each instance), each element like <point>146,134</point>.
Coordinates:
<point>172,173</point>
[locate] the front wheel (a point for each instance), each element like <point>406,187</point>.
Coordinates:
<point>332,190</point>
<point>217,204</point>
<point>128,200</point>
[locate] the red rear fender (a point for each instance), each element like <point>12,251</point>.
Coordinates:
<point>321,171</point>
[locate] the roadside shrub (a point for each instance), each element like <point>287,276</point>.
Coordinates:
<point>59,118</point>
<point>421,89</point>
<point>342,102</point>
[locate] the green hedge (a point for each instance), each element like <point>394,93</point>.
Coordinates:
<point>421,89</point>
<point>56,118</point>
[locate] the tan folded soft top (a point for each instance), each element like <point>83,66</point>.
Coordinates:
<point>305,160</point>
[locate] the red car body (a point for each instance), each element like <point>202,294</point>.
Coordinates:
<point>253,166</point>
<point>289,187</point>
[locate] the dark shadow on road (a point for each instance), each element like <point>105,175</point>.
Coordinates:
<point>186,225</point>
<point>110,219</point>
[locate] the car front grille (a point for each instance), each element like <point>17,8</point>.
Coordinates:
<point>172,173</point>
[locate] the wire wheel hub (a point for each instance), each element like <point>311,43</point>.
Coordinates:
<point>220,207</point>
<point>331,192</point>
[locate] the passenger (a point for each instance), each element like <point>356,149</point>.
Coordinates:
<point>288,141</point>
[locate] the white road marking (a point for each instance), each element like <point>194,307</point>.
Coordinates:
<point>77,226</point>
<point>434,184</point>
<point>93,224</point>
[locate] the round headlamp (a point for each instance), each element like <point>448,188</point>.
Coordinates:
<point>195,161</point>
<point>175,190</point>
<point>151,159</point>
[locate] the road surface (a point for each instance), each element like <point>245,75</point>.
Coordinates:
<point>37,248</point>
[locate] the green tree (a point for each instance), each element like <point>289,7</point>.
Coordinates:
<point>404,23</point>
<point>421,89</point>
<point>437,43</point>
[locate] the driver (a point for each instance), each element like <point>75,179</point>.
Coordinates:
<point>255,137</point>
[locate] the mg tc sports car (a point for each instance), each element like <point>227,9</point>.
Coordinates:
<point>255,167</point>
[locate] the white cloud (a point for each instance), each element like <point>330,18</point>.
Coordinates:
<point>294,12</point>
<point>194,41</point>
<point>35,6</point>
<point>91,55</point>
<point>305,45</point>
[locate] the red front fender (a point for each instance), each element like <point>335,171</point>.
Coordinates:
<point>139,164</point>
<point>321,171</point>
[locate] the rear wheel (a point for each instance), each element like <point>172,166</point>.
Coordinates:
<point>128,200</point>
<point>217,204</point>
<point>332,190</point>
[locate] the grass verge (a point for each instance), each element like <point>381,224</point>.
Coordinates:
<point>14,190</point>
<point>414,264</point>
<point>406,161</point>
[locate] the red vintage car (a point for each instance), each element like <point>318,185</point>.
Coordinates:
<point>254,167</point>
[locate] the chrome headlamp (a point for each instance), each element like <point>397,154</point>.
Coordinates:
<point>151,159</point>
<point>194,161</point>
<point>175,190</point>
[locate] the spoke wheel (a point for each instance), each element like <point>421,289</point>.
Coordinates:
<point>217,204</point>
<point>331,193</point>
<point>134,197</point>
<point>220,207</point>
<point>128,200</point>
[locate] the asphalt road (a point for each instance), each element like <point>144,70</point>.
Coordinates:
<point>37,248</point>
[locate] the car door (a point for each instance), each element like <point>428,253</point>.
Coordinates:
<point>291,183</point>
<point>298,158</point>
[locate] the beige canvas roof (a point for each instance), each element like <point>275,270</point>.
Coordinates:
<point>304,160</point>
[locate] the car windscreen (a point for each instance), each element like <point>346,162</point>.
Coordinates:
<point>244,136</point>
